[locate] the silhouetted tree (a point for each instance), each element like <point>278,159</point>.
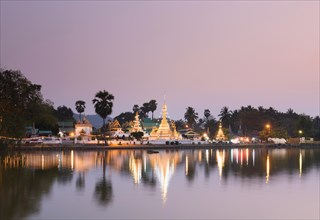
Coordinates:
<point>80,107</point>
<point>153,106</point>
<point>135,108</point>
<point>103,103</point>
<point>191,116</point>
<point>225,116</point>
<point>207,114</point>
<point>64,113</point>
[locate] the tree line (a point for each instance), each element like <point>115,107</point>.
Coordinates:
<point>22,104</point>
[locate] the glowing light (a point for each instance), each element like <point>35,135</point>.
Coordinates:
<point>237,155</point>
<point>200,156</point>
<point>220,160</point>
<point>187,165</point>
<point>300,163</point>
<point>42,161</point>
<point>135,169</point>
<point>72,160</point>
<point>300,131</point>
<point>231,152</point>
<point>71,134</point>
<point>207,156</point>
<point>253,154</point>
<point>267,169</point>
<point>247,156</point>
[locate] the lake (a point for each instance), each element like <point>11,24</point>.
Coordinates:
<point>227,183</point>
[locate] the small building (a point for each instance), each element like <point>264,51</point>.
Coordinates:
<point>66,127</point>
<point>83,127</point>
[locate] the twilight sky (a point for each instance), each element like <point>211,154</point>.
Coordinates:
<point>199,54</point>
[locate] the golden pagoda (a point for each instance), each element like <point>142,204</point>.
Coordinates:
<point>220,135</point>
<point>164,132</point>
<point>136,124</point>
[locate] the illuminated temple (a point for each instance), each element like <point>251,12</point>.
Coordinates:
<point>164,131</point>
<point>220,135</point>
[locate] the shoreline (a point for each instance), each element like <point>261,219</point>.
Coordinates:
<point>89,147</point>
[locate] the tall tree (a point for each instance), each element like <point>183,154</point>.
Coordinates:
<point>225,115</point>
<point>64,113</point>
<point>103,103</point>
<point>191,116</point>
<point>80,107</point>
<point>153,106</point>
<point>135,108</point>
<point>206,114</point>
<point>146,108</point>
<point>19,99</point>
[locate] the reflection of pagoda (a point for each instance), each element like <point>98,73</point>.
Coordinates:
<point>164,167</point>
<point>136,124</point>
<point>164,131</point>
<point>220,136</point>
<point>135,167</point>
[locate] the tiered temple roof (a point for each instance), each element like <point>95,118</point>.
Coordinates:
<point>164,132</point>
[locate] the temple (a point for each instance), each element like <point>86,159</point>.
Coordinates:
<point>136,124</point>
<point>220,135</point>
<point>164,131</point>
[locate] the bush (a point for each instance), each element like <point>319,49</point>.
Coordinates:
<point>137,135</point>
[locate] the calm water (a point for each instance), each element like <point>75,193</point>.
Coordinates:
<point>230,183</point>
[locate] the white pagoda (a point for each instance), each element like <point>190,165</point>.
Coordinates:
<point>220,135</point>
<point>164,132</point>
<point>136,124</point>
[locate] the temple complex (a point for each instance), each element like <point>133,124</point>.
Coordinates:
<point>220,135</point>
<point>164,131</point>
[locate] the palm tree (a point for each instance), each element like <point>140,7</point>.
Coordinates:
<point>153,106</point>
<point>103,106</point>
<point>80,106</point>
<point>146,108</point>
<point>103,191</point>
<point>207,114</point>
<point>225,115</point>
<point>135,108</point>
<point>191,116</point>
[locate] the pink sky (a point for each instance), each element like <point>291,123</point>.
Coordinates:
<point>199,54</point>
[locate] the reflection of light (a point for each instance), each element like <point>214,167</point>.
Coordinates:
<point>200,156</point>
<point>164,166</point>
<point>241,157</point>
<point>247,156</point>
<point>207,156</point>
<point>300,163</point>
<point>187,165</point>
<point>220,160</point>
<point>237,155</point>
<point>231,152</point>
<point>42,161</point>
<point>72,160</point>
<point>145,163</point>
<point>253,157</point>
<point>267,169</point>
<point>135,169</point>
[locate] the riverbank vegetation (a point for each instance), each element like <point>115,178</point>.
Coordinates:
<point>23,105</point>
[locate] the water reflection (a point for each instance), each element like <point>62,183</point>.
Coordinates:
<point>25,178</point>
